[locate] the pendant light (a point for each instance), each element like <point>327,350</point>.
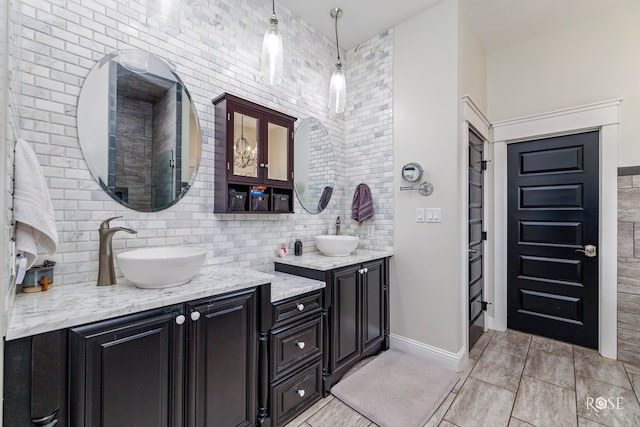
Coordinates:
<point>338,83</point>
<point>164,16</point>
<point>272,51</point>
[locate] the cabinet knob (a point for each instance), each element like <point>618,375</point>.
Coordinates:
<point>366,270</point>
<point>300,344</point>
<point>180,319</point>
<point>301,392</point>
<point>361,271</point>
<point>264,165</point>
<point>300,306</point>
<point>195,315</point>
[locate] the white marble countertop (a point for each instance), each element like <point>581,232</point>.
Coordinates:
<point>287,285</point>
<point>317,261</point>
<point>73,305</point>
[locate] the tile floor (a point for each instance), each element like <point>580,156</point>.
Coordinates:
<point>514,379</point>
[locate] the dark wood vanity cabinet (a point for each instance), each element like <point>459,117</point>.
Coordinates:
<point>200,363</point>
<point>296,356</point>
<point>35,381</point>
<point>222,346</point>
<point>128,371</point>
<point>355,314</point>
<point>253,157</point>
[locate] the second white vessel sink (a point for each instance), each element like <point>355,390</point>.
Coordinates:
<point>336,245</point>
<point>161,267</point>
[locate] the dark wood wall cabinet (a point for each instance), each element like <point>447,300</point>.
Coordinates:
<point>355,314</point>
<point>296,356</point>
<point>195,364</point>
<point>253,157</point>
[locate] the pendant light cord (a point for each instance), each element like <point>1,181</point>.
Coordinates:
<point>337,47</point>
<point>273,5</point>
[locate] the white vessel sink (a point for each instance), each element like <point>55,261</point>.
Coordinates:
<point>332,245</point>
<point>161,267</point>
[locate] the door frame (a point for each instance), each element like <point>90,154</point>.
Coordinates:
<point>473,119</point>
<point>601,116</point>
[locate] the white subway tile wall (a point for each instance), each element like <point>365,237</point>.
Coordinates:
<point>217,51</point>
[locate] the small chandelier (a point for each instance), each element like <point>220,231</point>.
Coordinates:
<point>243,155</point>
<point>338,83</point>
<point>272,51</point>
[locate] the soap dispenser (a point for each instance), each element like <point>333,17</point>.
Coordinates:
<point>297,247</point>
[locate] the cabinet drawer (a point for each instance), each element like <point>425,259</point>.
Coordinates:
<point>294,308</point>
<point>296,393</point>
<point>294,345</point>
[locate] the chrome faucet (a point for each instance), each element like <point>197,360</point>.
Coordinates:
<point>106,272</point>
<point>338,226</point>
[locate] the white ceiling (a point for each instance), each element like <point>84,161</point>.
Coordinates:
<point>498,23</point>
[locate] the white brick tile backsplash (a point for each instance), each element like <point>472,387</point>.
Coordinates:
<point>217,51</point>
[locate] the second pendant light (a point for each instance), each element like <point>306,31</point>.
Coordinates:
<point>338,83</point>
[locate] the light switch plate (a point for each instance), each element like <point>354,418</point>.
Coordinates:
<point>419,214</point>
<point>434,215</point>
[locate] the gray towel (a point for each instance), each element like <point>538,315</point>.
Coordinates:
<point>362,206</point>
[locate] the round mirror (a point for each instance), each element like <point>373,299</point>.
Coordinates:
<point>412,172</point>
<point>314,165</point>
<point>139,130</point>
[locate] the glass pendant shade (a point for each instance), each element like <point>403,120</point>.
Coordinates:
<point>338,91</point>
<point>272,53</point>
<point>164,16</point>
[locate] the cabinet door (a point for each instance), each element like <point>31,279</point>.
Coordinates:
<point>245,148</point>
<point>345,317</point>
<point>373,303</point>
<point>127,371</point>
<point>279,152</point>
<point>222,372</point>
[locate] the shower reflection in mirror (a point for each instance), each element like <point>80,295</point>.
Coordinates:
<point>139,133</point>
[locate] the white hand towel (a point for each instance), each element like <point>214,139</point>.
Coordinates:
<point>32,207</point>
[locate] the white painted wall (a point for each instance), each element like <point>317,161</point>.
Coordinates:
<point>425,294</point>
<point>4,44</point>
<point>586,62</point>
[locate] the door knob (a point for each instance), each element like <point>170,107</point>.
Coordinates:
<point>589,250</point>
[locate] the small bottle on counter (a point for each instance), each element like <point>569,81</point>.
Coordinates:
<point>297,248</point>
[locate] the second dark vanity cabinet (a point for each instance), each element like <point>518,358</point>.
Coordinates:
<point>355,313</point>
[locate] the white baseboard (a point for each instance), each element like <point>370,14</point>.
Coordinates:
<point>441,357</point>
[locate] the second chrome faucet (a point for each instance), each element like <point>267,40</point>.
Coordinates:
<point>106,271</point>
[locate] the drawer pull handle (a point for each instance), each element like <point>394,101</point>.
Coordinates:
<point>301,392</point>
<point>300,344</point>
<point>195,315</point>
<point>180,319</point>
<point>300,306</point>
